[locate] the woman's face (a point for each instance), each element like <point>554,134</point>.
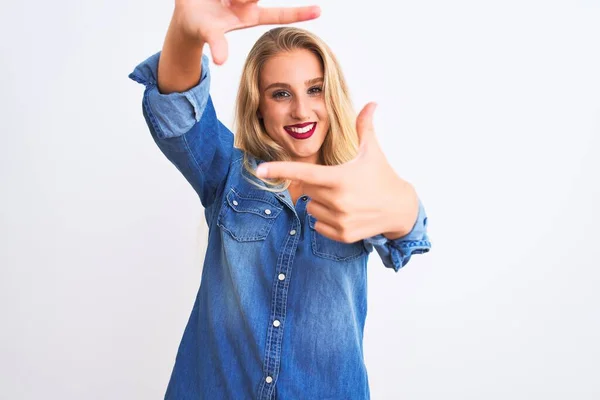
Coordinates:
<point>292,105</point>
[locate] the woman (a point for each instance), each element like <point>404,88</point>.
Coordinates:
<point>282,303</point>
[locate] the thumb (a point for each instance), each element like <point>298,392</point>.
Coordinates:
<point>218,49</point>
<point>364,123</point>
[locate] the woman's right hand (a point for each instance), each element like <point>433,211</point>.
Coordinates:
<point>207,21</point>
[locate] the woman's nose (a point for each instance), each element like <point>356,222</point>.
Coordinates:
<point>300,109</point>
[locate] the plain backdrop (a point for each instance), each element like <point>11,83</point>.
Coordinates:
<point>491,109</point>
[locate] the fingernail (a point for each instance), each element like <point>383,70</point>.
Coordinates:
<point>261,171</point>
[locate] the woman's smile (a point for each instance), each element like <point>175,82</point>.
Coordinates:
<point>301,131</point>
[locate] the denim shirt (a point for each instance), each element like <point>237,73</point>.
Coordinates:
<point>281,308</point>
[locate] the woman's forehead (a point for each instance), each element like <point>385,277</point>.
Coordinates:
<point>295,67</point>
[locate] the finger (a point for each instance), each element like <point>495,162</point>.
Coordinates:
<point>364,123</point>
<point>325,214</point>
<point>327,230</point>
<point>230,2</point>
<point>298,171</point>
<point>322,213</point>
<point>233,3</point>
<point>287,15</point>
<point>319,194</point>
<point>218,49</point>
<point>335,234</point>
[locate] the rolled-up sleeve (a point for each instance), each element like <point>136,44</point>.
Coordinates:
<point>396,253</point>
<point>172,114</point>
<point>185,127</point>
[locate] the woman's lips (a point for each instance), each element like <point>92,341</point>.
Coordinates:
<point>301,131</point>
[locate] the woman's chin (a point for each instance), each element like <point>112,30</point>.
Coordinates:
<point>305,156</point>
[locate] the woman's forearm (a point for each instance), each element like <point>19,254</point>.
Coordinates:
<point>180,63</point>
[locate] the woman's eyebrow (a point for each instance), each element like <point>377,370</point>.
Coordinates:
<point>287,86</point>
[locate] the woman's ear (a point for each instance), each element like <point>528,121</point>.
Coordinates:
<point>258,114</point>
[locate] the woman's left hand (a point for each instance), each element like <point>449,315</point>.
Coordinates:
<point>356,200</point>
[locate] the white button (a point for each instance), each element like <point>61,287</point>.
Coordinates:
<point>268,212</point>
<point>235,203</point>
<point>269,379</point>
<point>293,232</point>
<point>276,323</point>
<point>281,277</point>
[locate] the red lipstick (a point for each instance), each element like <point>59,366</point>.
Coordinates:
<point>299,131</point>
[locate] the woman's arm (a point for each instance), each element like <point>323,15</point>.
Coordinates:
<point>179,67</point>
<point>177,105</point>
<point>196,22</point>
<point>363,199</point>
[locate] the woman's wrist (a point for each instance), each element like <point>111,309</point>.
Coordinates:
<point>182,3</point>
<point>179,29</point>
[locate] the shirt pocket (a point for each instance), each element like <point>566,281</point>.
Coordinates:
<point>331,249</point>
<point>247,218</point>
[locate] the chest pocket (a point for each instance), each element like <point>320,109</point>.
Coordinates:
<point>324,247</point>
<point>247,218</point>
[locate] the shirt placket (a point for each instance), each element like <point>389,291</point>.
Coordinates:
<point>277,315</point>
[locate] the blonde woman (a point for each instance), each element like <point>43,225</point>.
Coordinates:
<point>294,207</point>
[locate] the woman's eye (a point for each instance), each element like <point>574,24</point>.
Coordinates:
<point>280,95</point>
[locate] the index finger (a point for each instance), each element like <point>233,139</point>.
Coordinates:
<point>287,15</point>
<point>321,175</point>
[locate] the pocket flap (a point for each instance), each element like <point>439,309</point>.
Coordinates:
<point>258,206</point>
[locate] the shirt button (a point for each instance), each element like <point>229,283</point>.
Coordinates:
<point>276,323</point>
<point>269,379</point>
<point>281,277</point>
<point>268,212</point>
<point>293,232</point>
<point>235,203</point>
<point>304,198</point>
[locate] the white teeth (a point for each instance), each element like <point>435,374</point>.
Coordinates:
<point>302,130</point>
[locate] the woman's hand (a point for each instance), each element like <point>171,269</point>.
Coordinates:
<point>356,200</point>
<point>207,21</point>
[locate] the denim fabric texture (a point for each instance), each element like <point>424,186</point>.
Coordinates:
<point>281,309</point>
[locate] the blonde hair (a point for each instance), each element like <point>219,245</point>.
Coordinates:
<point>341,141</point>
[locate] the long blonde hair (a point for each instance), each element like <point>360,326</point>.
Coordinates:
<point>341,141</point>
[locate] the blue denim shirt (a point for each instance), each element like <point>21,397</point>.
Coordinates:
<point>281,309</point>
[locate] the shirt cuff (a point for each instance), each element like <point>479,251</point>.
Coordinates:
<point>396,253</point>
<point>172,114</point>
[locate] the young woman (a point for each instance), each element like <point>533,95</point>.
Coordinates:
<point>294,207</point>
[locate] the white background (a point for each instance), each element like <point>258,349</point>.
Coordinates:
<point>491,109</point>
